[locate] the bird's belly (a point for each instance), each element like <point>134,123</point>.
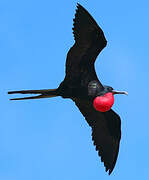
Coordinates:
<point>75,93</point>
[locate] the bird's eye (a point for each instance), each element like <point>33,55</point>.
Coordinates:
<point>110,88</point>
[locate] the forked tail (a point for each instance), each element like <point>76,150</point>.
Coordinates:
<point>43,93</point>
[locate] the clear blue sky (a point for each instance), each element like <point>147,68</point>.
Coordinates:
<point>49,138</point>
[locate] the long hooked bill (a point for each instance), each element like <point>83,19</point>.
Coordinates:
<point>119,92</point>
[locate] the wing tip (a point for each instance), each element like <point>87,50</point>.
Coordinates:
<point>108,168</point>
<point>83,20</point>
<point>80,6</point>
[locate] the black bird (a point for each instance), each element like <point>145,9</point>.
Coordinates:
<point>81,84</point>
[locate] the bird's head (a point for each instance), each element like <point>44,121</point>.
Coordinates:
<point>104,99</point>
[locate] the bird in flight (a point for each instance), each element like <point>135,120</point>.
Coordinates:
<point>81,84</point>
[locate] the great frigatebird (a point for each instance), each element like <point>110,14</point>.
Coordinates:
<point>81,84</point>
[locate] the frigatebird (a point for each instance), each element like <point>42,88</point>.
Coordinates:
<point>81,84</point>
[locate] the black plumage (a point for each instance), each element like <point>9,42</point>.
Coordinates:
<point>82,86</point>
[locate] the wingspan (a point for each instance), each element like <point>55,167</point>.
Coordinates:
<point>89,42</point>
<point>106,132</point>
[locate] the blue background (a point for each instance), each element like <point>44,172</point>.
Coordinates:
<point>49,138</point>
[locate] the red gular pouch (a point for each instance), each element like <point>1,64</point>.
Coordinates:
<point>104,103</point>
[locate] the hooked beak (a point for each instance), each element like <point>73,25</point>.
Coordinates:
<point>119,92</point>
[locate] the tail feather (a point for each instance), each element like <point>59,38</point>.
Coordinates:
<point>43,93</point>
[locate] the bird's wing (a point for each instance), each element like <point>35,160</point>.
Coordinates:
<point>89,42</point>
<point>106,132</point>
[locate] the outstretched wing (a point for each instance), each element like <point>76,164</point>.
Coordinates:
<point>106,132</point>
<point>89,42</point>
